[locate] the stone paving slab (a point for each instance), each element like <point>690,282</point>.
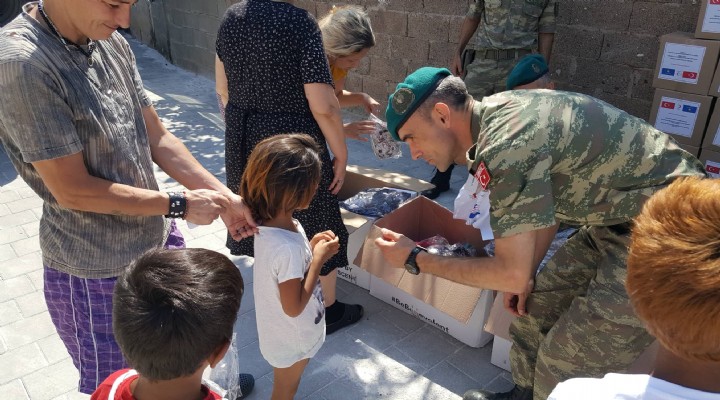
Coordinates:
<point>389,354</point>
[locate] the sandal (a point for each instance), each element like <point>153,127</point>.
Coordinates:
<point>352,314</point>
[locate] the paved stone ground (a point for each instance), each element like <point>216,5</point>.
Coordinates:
<point>389,354</point>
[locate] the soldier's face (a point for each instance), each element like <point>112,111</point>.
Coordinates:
<point>429,139</point>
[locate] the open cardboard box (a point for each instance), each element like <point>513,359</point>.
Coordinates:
<point>457,309</point>
<point>359,178</point>
<point>498,324</point>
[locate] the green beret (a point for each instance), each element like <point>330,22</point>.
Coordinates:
<point>410,94</point>
<point>529,69</point>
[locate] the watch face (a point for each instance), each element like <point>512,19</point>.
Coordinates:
<point>413,269</point>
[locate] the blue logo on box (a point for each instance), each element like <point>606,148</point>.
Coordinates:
<point>667,71</point>
<point>689,109</point>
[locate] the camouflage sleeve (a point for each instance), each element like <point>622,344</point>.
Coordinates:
<point>476,9</point>
<point>548,17</point>
<point>521,191</point>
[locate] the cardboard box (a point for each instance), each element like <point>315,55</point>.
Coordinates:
<point>456,309</point>
<point>708,24</point>
<point>681,115</point>
<point>686,64</point>
<point>711,161</point>
<point>499,325</point>
<point>712,133</point>
<point>357,179</point>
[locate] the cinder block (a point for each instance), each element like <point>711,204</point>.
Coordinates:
<point>635,50</point>
<point>429,27</point>
<point>32,303</point>
<point>409,48</point>
<point>642,84</point>
<point>382,47</point>
<point>661,18</point>
<point>364,66</point>
<point>606,14</point>
<point>12,234</point>
<point>402,5</point>
<point>377,88</point>
<point>610,78</point>
<point>441,52</point>
<point>572,40</point>
<point>389,22</point>
<point>388,69</point>
<point>446,7</point>
<point>26,246</point>
<point>454,26</point>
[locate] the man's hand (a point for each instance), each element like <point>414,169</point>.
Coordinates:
<point>456,66</point>
<point>238,218</point>
<point>515,302</point>
<point>395,247</point>
<point>204,206</point>
<point>354,130</point>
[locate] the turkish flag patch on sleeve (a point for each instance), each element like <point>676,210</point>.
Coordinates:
<point>483,175</point>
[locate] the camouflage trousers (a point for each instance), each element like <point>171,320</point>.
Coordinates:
<point>485,77</point>
<point>580,321</point>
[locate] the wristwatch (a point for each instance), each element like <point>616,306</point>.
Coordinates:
<point>410,264</point>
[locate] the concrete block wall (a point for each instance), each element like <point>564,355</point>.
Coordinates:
<point>603,48</point>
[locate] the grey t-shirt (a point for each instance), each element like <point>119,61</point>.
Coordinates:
<point>52,105</point>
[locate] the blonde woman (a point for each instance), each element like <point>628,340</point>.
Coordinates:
<point>347,39</point>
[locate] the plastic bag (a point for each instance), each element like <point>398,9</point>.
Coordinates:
<point>473,206</point>
<point>224,377</point>
<point>376,202</point>
<point>383,145</point>
<point>440,246</point>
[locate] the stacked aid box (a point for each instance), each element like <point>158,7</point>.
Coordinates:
<point>687,82</point>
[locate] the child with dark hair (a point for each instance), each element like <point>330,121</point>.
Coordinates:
<point>673,280</point>
<point>281,177</point>
<point>173,315</point>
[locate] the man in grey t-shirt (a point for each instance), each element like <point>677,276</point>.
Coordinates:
<point>80,130</point>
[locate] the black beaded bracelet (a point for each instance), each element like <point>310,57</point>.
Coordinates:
<point>178,205</point>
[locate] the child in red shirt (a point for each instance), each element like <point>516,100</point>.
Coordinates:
<point>173,315</point>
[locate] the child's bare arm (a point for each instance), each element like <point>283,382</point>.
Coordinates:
<point>296,293</point>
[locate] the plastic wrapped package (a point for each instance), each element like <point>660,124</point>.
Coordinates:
<point>440,246</point>
<point>376,202</point>
<point>224,377</point>
<point>381,142</point>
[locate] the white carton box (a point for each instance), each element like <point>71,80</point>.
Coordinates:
<point>471,332</point>
<point>500,356</point>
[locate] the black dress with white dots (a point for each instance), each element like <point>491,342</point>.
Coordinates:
<point>270,50</point>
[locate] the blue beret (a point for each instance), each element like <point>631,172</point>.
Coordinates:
<point>529,69</point>
<point>409,94</point>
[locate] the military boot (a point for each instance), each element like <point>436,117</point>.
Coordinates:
<point>517,393</point>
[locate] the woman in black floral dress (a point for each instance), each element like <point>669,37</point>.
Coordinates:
<point>272,76</point>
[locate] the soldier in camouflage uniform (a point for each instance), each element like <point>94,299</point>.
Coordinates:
<point>543,157</point>
<point>508,30</point>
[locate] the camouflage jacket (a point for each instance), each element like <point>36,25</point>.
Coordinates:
<point>557,156</point>
<point>511,24</point>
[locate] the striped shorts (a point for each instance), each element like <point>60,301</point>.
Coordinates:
<point>81,310</point>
